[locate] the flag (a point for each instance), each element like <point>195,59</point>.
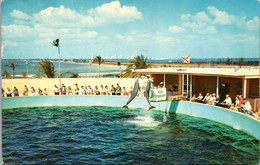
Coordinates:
<point>185,59</point>
<point>56,43</point>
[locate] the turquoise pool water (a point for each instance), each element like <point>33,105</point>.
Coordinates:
<point>95,135</point>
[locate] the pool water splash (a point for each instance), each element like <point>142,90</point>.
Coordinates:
<point>145,121</point>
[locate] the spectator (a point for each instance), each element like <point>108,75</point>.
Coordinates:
<point>63,89</point>
<point>212,99</point>
<point>132,88</point>
<point>240,104</point>
<point>76,90</point>
<point>33,92</point>
<point>200,98</point>
<point>206,98</point>
<point>3,92</point>
<point>102,90</point>
<point>169,93</point>
<point>25,92</point>
<point>15,92</point>
<point>90,90</point>
<point>217,102</point>
<point>8,92</point>
<point>86,88</point>
<point>118,90</point>
<point>236,103</point>
<point>39,92</point>
<point>125,93</point>
<point>96,91</point>
<point>247,107</point>
<point>107,90</point>
<point>194,98</point>
<point>83,91</point>
<point>113,90</point>
<point>70,92</point>
<point>56,90</point>
<point>227,102</point>
<point>141,94</point>
<point>45,92</point>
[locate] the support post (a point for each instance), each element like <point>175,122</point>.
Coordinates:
<point>59,64</point>
<point>164,80</point>
<point>217,89</point>
<point>182,83</point>
<point>244,91</point>
<point>190,87</point>
<point>187,90</point>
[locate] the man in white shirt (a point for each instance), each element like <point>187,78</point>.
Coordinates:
<point>227,102</point>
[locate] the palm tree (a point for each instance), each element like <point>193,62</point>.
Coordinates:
<point>6,74</point>
<point>98,60</point>
<point>12,65</point>
<point>73,75</point>
<point>47,68</point>
<point>139,62</point>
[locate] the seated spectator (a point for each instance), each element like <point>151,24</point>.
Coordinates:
<point>86,88</point>
<point>169,93</point>
<point>45,92</point>
<point>102,90</point>
<point>70,92</point>
<point>217,102</point>
<point>90,90</point>
<point>83,91</point>
<point>206,98</point>
<point>8,92</point>
<point>113,90</point>
<point>247,107</point>
<point>236,103</point>
<point>76,90</point>
<point>200,98</point>
<point>25,92</point>
<point>227,102</point>
<point>194,98</point>
<point>56,90</point>
<point>63,89</point>
<point>33,92</point>
<point>96,91</point>
<point>240,104</point>
<point>212,99</point>
<point>15,92</point>
<point>39,93</point>
<point>107,90</point>
<point>125,93</point>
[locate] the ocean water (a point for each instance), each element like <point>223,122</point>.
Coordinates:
<point>65,67</point>
<point>113,135</point>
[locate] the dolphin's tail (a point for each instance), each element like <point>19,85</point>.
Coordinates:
<point>151,107</point>
<point>125,106</point>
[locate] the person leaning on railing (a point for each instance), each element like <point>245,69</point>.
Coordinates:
<point>227,102</point>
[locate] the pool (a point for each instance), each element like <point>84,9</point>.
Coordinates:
<point>98,134</point>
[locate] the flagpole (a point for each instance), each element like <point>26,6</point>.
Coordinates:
<point>59,63</point>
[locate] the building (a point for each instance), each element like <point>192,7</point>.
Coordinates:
<point>222,81</point>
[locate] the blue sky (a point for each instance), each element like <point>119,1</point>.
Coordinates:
<point>154,28</point>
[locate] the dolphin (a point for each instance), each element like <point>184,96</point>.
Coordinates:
<point>134,92</point>
<point>146,93</point>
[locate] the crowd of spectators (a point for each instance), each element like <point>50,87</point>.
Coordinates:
<point>241,104</point>
<point>77,90</point>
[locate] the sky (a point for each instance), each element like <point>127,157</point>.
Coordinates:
<point>126,28</point>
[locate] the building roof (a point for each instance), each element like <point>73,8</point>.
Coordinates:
<point>223,72</point>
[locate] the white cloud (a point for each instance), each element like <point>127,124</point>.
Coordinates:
<point>221,17</point>
<point>253,24</point>
<point>114,12</point>
<point>124,37</point>
<point>176,29</point>
<point>165,39</point>
<point>20,15</point>
<point>58,17</point>
<point>200,17</point>
<point>200,27</point>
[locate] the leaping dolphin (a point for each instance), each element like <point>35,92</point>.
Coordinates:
<point>147,91</point>
<point>133,93</point>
